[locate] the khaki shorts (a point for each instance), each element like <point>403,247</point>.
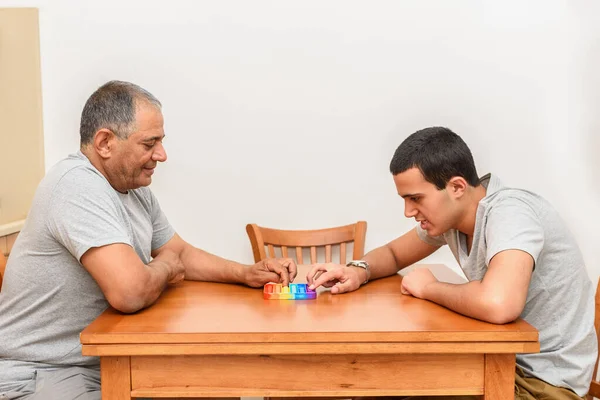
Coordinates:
<point>533,389</point>
<point>526,388</point>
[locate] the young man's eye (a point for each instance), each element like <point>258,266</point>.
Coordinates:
<point>415,199</point>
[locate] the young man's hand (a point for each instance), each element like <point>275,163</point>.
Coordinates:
<point>340,278</point>
<point>415,282</point>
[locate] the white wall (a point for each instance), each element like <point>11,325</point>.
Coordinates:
<point>286,113</point>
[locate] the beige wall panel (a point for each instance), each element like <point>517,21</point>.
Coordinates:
<point>21,136</point>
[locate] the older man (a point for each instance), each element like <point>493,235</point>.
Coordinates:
<point>96,236</point>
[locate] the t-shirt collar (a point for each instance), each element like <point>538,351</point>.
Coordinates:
<point>491,183</point>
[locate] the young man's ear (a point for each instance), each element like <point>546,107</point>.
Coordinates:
<point>104,142</point>
<point>457,186</point>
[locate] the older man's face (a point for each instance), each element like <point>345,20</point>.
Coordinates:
<point>135,158</point>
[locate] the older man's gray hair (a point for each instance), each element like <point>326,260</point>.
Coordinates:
<point>113,107</point>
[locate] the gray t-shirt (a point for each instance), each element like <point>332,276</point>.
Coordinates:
<point>560,299</point>
<point>47,296</point>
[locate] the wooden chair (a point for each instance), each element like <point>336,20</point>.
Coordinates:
<point>329,238</point>
<point>298,240</point>
<point>594,392</point>
<point>2,267</point>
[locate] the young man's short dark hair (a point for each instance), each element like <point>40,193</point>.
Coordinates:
<point>439,153</point>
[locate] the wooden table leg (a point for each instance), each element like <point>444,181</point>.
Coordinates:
<point>115,378</point>
<point>499,378</point>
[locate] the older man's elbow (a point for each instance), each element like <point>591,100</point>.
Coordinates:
<point>128,298</point>
<point>126,304</point>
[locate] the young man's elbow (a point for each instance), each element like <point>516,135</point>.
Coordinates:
<point>501,318</point>
<point>499,311</point>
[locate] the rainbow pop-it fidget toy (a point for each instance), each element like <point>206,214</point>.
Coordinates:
<point>296,291</point>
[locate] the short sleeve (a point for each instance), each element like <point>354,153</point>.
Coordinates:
<point>162,231</point>
<point>513,225</point>
<point>84,213</point>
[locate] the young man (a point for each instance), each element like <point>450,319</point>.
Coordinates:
<point>518,255</point>
<point>95,236</point>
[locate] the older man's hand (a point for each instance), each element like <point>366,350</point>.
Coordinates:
<point>280,270</point>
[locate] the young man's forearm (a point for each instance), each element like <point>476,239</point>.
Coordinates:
<point>470,299</point>
<point>397,254</point>
<point>381,262</point>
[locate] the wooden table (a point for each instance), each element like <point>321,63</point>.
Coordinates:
<point>218,340</point>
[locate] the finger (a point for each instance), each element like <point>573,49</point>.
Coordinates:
<point>178,278</point>
<point>344,287</point>
<point>315,272</point>
<point>336,274</point>
<point>267,277</point>
<point>318,274</point>
<point>292,268</point>
<point>261,277</point>
<point>330,283</point>
<point>274,266</point>
<point>336,289</point>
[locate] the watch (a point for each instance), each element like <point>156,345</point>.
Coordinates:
<point>361,264</point>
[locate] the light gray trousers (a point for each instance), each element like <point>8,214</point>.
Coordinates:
<point>75,383</point>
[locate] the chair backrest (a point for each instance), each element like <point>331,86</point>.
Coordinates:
<point>2,267</point>
<point>330,239</point>
<point>594,391</point>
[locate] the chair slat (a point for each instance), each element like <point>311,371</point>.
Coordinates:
<point>319,237</point>
<point>2,267</point>
<point>264,240</point>
<point>299,258</point>
<point>359,240</point>
<point>594,391</point>
<point>313,254</point>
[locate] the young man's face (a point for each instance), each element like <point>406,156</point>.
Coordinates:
<point>434,209</point>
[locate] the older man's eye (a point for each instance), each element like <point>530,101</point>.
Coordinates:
<point>149,145</point>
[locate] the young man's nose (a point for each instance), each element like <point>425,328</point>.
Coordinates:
<point>409,211</point>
